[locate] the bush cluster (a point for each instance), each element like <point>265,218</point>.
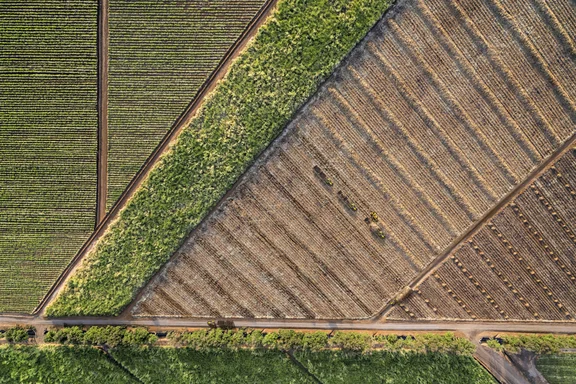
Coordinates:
<point>282,340</point>
<point>540,344</point>
<point>291,55</point>
<point>17,334</point>
<point>111,336</point>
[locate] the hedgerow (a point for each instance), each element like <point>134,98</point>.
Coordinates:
<point>281,340</point>
<point>111,336</point>
<point>315,341</point>
<point>17,334</point>
<point>291,55</point>
<point>540,344</point>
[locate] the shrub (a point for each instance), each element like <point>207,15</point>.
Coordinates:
<point>16,334</point>
<point>315,341</point>
<point>351,341</point>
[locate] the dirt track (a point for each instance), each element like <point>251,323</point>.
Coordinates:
<point>102,156</point>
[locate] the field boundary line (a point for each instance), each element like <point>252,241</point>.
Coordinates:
<point>102,96</point>
<point>474,228</point>
<point>181,122</point>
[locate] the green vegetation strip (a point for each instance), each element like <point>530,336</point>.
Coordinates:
<point>184,365</point>
<point>284,340</point>
<point>539,344</point>
<point>244,356</point>
<point>558,369</point>
<point>284,66</point>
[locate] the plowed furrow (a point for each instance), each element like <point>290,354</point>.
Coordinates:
<point>492,284</point>
<point>495,24</point>
<point>543,34</point>
<point>394,224</point>
<point>400,185</point>
<point>304,257</point>
<point>536,262</point>
<point>565,13</point>
<point>304,284</point>
<point>318,241</point>
<point>389,134</point>
<point>492,132</point>
<point>392,95</point>
<point>423,84</point>
<point>336,230</point>
<point>416,240</point>
<point>256,272</point>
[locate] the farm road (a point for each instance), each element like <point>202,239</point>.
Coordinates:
<point>102,155</point>
<point>466,327</point>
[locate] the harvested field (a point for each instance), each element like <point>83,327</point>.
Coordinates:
<point>160,55</point>
<point>442,110</point>
<point>519,266</point>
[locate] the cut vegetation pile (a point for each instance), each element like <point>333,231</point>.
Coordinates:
<point>48,140</point>
<point>291,55</point>
<point>442,111</point>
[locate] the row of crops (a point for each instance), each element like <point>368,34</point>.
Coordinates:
<point>160,54</point>
<point>48,141</point>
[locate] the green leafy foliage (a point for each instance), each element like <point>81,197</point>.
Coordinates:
<point>558,369</point>
<point>335,367</point>
<point>291,55</point>
<point>185,365</point>
<point>16,334</point>
<point>284,340</point>
<point>110,336</point>
<point>540,344</point>
<point>58,365</point>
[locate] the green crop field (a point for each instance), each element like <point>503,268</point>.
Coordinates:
<point>384,367</point>
<point>558,369</point>
<point>160,53</point>
<point>290,57</point>
<point>184,365</point>
<point>168,365</point>
<point>48,140</point>
<point>79,365</point>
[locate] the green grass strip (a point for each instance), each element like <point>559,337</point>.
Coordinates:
<point>293,53</point>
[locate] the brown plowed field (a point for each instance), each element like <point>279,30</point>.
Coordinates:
<point>520,266</point>
<point>437,115</point>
